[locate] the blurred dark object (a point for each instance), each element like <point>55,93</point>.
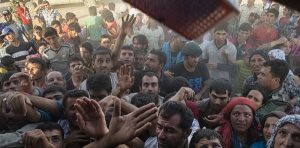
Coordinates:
<point>190,18</point>
<point>294,4</point>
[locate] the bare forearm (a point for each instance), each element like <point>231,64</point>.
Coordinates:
<point>45,104</point>
<point>118,45</point>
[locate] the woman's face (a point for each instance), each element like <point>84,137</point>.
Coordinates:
<point>256,97</point>
<point>256,62</point>
<point>241,118</point>
<point>287,136</point>
<point>268,127</point>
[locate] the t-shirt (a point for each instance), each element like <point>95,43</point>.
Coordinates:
<point>58,59</point>
<point>94,27</point>
<point>22,51</point>
<point>153,36</point>
<point>195,79</point>
<point>213,54</point>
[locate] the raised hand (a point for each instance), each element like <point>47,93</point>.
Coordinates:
<point>91,118</point>
<point>36,138</point>
<point>125,128</point>
<point>127,24</point>
<point>125,77</point>
<point>184,93</point>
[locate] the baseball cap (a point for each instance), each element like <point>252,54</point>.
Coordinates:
<point>191,48</point>
<point>5,31</point>
<point>6,12</point>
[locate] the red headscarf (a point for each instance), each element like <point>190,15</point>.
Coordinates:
<point>226,128</point>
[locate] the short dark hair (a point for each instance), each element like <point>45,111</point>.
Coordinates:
<point>45,2</point>
<point>220,27</point>
<point>101,51</point>
<point>70,15</point>
<point>75,93</point>
<point>220,86</point>
<point>40,62</point>
<point>49,126</point>
<point>274,11</point>
<point>207,134</point>
<point>55,22</point>
<point>52,89</point>
<point>171,108</point>
<point>50,31</point>
<point>245,27</point>
<point>99,82</point>
<point>162,58</point>
<point>38,28</point>
<point>7,75</point>
<point>149,74</point>
<point>256,87</point>
<point>105,36</point>
<point>93,10</point>
<point>279,68</point>
<point>142,39</point>
<point>75,26</point>
<point>88,46</point>
<point>127,47</point>
<point>142,99</point>
<point>74,59</point>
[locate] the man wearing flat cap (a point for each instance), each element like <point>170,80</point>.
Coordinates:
<point>195,72</point>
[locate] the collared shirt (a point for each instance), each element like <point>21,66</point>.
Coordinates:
<point>59,59</point>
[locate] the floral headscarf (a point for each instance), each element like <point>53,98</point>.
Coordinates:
<point>276,54</point>
<point>292,119</point>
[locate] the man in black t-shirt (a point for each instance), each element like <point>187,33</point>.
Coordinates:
<point>196,73</point>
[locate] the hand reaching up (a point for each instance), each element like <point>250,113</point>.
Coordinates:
<point>125,128</point>
<point>127,24</point>
<point>125,77</point>
<point>91,118</point>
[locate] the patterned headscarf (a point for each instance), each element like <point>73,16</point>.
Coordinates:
<point>277,54</point>
<point>291,119</point>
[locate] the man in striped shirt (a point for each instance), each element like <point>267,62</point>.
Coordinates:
<point>19,50</point>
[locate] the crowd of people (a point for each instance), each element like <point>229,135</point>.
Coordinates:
<point>120,79</point>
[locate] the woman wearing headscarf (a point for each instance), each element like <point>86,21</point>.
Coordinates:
<point>286,133</point>
<point>239,127</point>
<point>268,123</point>
<point>256,61</point>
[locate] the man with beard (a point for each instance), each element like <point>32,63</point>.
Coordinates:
<point>36,69</point>
<point>149,85</point>
<point>155,62</point>
<point>73,136</point>
<point>196,73</point>
<point>173,128</point>
<point>55,78</point>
